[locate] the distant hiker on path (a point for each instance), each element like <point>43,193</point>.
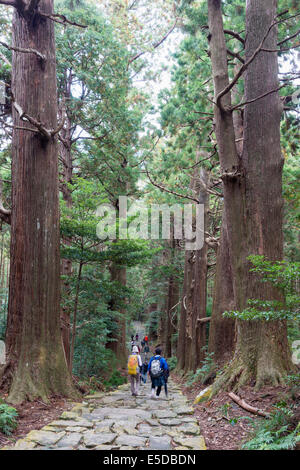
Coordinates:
<point>157,369</point>
<point>134,365</point>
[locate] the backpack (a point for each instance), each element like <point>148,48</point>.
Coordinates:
<point>132,364</point>
<point>155,368</point>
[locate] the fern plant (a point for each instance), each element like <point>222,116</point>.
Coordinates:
<point>208,365</point>
<point>275,433</point>
<point>8,419</point>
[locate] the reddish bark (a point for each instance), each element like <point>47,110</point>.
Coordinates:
<point>36,365</point>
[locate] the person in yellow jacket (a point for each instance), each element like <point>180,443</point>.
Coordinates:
<point>134,365</point>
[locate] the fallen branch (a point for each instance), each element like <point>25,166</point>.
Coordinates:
<point>245,405</point>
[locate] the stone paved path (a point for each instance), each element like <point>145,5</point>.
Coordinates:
<point>119,421</point>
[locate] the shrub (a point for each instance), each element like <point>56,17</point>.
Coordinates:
<point>8,419</point>
<point>208,366</point>
<point>275,433</point>
<point>172,362</point>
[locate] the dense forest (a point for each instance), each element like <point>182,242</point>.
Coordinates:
<point>185,115</point>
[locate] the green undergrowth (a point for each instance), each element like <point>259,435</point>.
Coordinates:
<point>8,419</point>
<point>281,431</point>
<point>207,368</point>
<point>92,385</point>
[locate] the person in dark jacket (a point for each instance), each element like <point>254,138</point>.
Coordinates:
<point>144,369</point>
<point>158,368</point>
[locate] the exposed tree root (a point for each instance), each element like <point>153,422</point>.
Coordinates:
<point>237,374</point>
<point>29,383</point>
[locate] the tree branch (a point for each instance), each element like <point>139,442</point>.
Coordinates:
<point>157,44</point>
<point>162,188</point>
<point>287,39</point>
<point>26,51</point>
<point>235,35</point>
<point>244,66</point>
<point>235,55</point>
<point>257,98</point>
<point>61,19</point>
<point>47,133</point>
<point>18,127</point>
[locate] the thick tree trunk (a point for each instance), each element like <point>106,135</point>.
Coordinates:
<point>252,193</point>
<point>36,365</point>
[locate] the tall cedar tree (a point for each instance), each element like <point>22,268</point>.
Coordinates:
<point>36,365</point>
<point>252,189</point>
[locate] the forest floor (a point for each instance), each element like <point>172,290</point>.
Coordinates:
<point>118,420</point>
<point>224,424</point>
<point>35,415</point>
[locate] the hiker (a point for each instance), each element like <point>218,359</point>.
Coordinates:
<point>144,370</point>
<point>134,365</point>
<point>136,337</point>
<point>157,369</point>
<point>146,348</point>
<point>143,343</point>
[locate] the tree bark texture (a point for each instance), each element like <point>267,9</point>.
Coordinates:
<point>36,365</point>
<point>252,192</point>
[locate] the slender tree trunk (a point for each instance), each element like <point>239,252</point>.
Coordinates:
<point>66,264</point>
<point>192,336</point>
<point>75,316</point>
<point>118,345</point>
<point>252,193</point>
<point>36,365</point>
<point>222,330</point>
<point>200,276</point>
<point>172,299</point>
<point>197,288</point>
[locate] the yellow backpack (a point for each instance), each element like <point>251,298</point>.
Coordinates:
<point>132,364</point>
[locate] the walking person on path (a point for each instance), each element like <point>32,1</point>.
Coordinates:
<point>134,364</point>
<point>144,370</point>
<point>157,369</point>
